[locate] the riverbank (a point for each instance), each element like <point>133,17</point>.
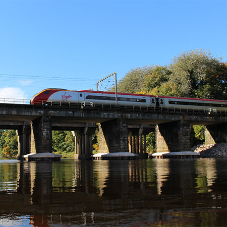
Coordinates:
<point>211,150</point>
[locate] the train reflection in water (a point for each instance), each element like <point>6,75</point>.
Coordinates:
<point>114,192</point>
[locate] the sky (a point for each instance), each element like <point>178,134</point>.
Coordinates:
<point>72,44</point>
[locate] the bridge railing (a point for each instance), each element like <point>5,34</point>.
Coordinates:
<point>14,101</point>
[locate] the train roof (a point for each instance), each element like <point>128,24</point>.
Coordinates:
<point>119,93</point>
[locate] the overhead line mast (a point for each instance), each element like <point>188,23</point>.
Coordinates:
<point>97,84</point>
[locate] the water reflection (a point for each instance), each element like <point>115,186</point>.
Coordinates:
<point>206,175</point>
<point>115,192</point>
<point>162,173</point>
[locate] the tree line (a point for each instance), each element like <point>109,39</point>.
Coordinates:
<point>195,74</point>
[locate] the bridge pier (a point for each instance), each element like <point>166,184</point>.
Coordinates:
<point>216,133</point>
<point>137,142</point>
<point>133,141</point>
<point>23,141</point>
<point>173,137</point>
<point>83,143</point>
<point>42,131</point>
<point>113,136</point>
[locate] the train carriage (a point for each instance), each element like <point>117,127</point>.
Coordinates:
<point>192,103</point>
<point>86,97</point>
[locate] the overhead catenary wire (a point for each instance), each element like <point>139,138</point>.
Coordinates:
<point>9,79</point>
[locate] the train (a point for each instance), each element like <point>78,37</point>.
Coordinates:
<point>95,98</point>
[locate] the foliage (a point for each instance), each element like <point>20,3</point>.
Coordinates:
<point>95,141</point>
<point>154,80</point>
<point>215,85</point>
<point>151,142</point>
<point>189,71</point>
<point>8,143</point>
<point>134,80</point>
<point>63,142</point>
<point>191,74</point>
<point>197,134</point>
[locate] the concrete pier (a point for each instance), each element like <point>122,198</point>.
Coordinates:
<point>42,157</point>
<point>176,155</point>
<point>115,156</point>
<point>173,137</point>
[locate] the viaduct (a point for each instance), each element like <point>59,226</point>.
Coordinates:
<point>121,129</point>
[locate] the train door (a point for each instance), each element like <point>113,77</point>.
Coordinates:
<point>160,102</point>
<point>153,101</point>
<point>81,97</point>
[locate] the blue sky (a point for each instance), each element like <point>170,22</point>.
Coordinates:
<point>72,44</point>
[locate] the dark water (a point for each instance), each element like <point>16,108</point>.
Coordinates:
<point>114,193</point>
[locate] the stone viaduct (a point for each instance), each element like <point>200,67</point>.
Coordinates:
<point>121,129</point>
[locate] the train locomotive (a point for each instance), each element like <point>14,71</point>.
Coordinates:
<point>87,97</point>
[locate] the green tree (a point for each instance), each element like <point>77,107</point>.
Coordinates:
<point>133,81</point>
<point>154,80</point>
<point>151,141</point>
<point>215,84</point>
<point>69,142</point>
<point>58,140</point>
<point>198,134</point>
<point>8,143</point>
<point>189,71</point>
<point>63,142</point>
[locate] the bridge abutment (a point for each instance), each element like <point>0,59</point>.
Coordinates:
<point>173,137</point>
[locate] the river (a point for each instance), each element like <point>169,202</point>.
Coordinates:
<point>163,192</point>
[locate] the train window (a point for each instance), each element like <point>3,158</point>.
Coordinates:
<point>122,99</point>
<point>46,92</point>
<point>197,104</point>
<point>80,95</point>
<point>98,97</point>
<point>114,98</point>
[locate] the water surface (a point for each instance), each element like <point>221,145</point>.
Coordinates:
<point>164,192</point>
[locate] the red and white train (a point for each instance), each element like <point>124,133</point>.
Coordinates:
<point>87,97</point>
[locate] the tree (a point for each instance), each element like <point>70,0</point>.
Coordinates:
<point>215,84</point>
<point>133,81</point>
<point>8,143</point>
<point>189,71</point>
<point>58,140</point>
<point>154,80</point>
<point>198,134</point>
<point>158,83</point>
<point>63,142</point>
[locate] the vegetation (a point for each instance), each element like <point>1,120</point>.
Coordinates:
<point>8,144</point>
<point>63,142</point>
<point>191,74</point>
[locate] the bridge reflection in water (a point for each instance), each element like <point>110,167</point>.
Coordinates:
<point>114,192</point>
